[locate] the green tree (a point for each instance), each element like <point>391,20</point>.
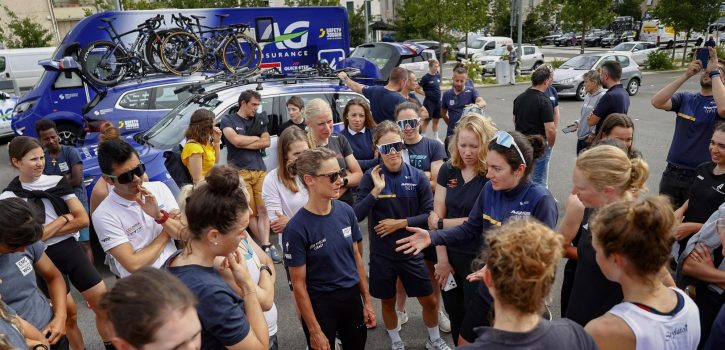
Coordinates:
<point>687,16</point>
<point>312,2</point>
<point>536,24</point>
<point>16,32</point>
<point>583,15</point>
<point>412,20</point>
<point>501,17</point>
<point>356,23</point>
<point>628,8</point>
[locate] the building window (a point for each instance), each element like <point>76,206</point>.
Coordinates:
<point>73,3</point>
<point>350,7</point>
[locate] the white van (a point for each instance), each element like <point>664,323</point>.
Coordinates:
<point>481,44</point>
<point>22,65</point>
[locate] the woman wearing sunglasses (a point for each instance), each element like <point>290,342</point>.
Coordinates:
<point>201,150</point>
<point>509,193</point>
<point>359,128</point>
<point>427,155</point>
<point>63,216</point>
<point>394,195</point>
<point>319,122</point>
<point>328,278</point>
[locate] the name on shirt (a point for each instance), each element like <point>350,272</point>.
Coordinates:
<point>408,186</point>
<point>317,245</point>
<point>347,232</point>
<point>670,335</point>
<point>135,228</point>
<point>520,213</point>
<point>24,265</point>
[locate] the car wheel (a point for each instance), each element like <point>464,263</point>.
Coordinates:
<point>536,65</point>
<point>633,86</point>
<point>670,44</point>
<point>68,133</point>
<point>580,92</point>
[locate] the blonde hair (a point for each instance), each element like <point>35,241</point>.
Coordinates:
<point>607,165</point>
<point>313,109</point>
<point>522,259</point>
<point>484,129</point>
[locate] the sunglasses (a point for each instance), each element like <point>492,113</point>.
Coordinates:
<point>388,148</point>
<point>505,139</point>
<point>128,176</point>
<point>408,123</point>
<point>333,176</point>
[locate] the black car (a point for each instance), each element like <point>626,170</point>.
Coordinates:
<point>568,39</point>
<point>595,38</point>
<point>549,39</point>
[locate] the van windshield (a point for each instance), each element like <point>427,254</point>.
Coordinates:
<point>169,131</point>
<point>477,44</point>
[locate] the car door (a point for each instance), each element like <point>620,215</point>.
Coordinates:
<point>131,110</point>
<point>529,57</point>
<point>627,69</point>
<point>639,54</point>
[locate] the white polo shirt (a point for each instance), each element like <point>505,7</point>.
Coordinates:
<point>118,221</point>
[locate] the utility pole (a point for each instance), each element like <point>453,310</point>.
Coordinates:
<point>118,5</point>
<point>367,20</point>
<point>521,25</point>
<point>512,19</point>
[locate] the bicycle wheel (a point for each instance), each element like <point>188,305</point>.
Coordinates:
<point>181,53</point>
<point>152,49</point>
<point>241,51</point>
<point>104,62</point>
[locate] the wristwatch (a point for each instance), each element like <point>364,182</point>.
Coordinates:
<point>714,73</point>
<point>265,268</point>
<point>164,217</point>
<point>345,181</point>
<point>440,224</point>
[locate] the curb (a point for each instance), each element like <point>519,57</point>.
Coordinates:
<point>651,72</point>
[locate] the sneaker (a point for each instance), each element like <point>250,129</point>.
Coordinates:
<point>338,344</point>
<point>398,345</point>
<point>438,344</point>
<point>273,253</point>
<point>402,318</point>
<point>444,324</point>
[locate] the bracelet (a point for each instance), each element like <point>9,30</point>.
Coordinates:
<point>714,73</point>
<point>164,217</point>
<point>265,268</point>
<point>66,218</point>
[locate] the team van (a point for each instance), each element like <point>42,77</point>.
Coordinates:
<point>22,66</point>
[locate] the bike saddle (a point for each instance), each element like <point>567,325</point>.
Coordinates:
<point>224,15</point>
<point>108,20</point>
<point>197,17</point>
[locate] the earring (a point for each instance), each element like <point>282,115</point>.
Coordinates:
<point>216,243</point>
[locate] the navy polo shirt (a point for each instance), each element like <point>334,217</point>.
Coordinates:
<point>431,85</point>
<point>615,100</point>
<point>324,245</point>
<point>455,104</point>
<point>694,125</point>
<point>382,102</point>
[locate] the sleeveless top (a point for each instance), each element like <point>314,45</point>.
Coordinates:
<point>678,329</point>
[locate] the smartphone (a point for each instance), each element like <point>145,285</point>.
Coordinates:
<point>704,56</point>
<point>450,283</point>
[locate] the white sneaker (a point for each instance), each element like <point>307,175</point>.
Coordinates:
<point>444,324</point>
<point>402,318</point>
<point>398,345</point>
<point>438,344</point>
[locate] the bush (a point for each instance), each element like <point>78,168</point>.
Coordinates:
<point>475,69</point>
<point>659,60</point>
<point>557,63</point>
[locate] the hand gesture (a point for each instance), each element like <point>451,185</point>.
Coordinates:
<point>694,68</point>
<point>415,243</point>
<point>685,230</point>
<point>378,178</point>
<point>342,75</point>
<point>148,203</point>
<point>216,135</point>
<point>712,64</point>
<point>701,255</point>
<point>475,276</point>
<point>233,262</point>
<point>277,225</point>
<point>55,330</point>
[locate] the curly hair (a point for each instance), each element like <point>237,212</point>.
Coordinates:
<point>201,126</point>
<point>642,232</point>
<point>522,258</point>
<point>484,128</point>
<point>607,165</point>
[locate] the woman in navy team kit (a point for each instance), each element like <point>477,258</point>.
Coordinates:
<point>325,266</point>
<point>394,195</point>
<point>508,194</point>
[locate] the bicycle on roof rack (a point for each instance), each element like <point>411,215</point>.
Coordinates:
<point>108,62</point>
<point>195,46</point>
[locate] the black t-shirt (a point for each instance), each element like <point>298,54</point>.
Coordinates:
<point>558,334</point>
<point>460,198</point>
<point>531,110</point>
<point>289,123</point>
<point>707,193</point>
<point>341,146</point>
<point>592,294</point>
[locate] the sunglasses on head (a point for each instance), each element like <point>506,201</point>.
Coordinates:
<point>128,176</point>
<point>388,148</point>
<point>408,123</point>
<point>333,176</point>
<point>505,139</point>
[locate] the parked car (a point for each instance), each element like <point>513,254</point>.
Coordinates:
<point>481,44</point>
<point>7,103</point>
<point>433,45</point>
<point>568,78</point>
<point>637,50</point>
<point>595,38</point>
<point>567,39</point>
<point>609,40</point>
<point>531,58</point>
<point>549,39</point>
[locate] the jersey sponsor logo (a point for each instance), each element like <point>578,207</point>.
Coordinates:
<point>520,213</point>
<point>63,166</point>
<point>317,245</point>
<point>408,186</point>
<point>585,226</point>
<point>24,265</point>
<point>135,228</point>
<point>347,232</point>
<point>699,177</point>
<point>491,220</point>
<point>671,334</point>
<point>687,117</point>
<point>718,189</point>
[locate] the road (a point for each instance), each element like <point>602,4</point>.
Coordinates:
<point>653,134</point>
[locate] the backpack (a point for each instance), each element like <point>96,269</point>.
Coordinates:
<point>178,171</point>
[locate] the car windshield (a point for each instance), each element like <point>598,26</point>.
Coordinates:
<point>624,47</point>
<point>379,55</point>
<point>169,131</point>
<point>581,62</point>
<point>477,44</point>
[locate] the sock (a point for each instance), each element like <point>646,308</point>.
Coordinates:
<point>394,335</point>
<point>108,345</point>
<point>433,333</point>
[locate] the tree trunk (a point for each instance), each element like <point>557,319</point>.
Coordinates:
<point>684,51</point>
<point>674,40</point>
<point>581,45</point>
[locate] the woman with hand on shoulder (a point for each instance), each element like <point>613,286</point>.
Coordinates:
<point>217,213</point>
<point>328,278</point>
<point>632,243</point>
<point>520,270</point>
<point>460,181</point>
<point>151,309</point>
<point>359,129</point>
<point>319,122</point>
<point>201,150</point>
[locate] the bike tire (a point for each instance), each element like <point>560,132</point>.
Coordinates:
<point>104,62</point>
<point>241,51</point>
<point>152,49</point>
<point>182,53</point>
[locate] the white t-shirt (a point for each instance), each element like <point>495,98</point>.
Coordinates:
<point>277,197</point>
<point>253,264</point>
<point>43,183</point>
<point>118,221</point>
<point>680,331</point>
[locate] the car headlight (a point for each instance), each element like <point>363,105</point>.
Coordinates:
<point>23,107</point>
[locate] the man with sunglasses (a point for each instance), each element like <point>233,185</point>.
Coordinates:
<point>383,99</point>
<point>136,223</point>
